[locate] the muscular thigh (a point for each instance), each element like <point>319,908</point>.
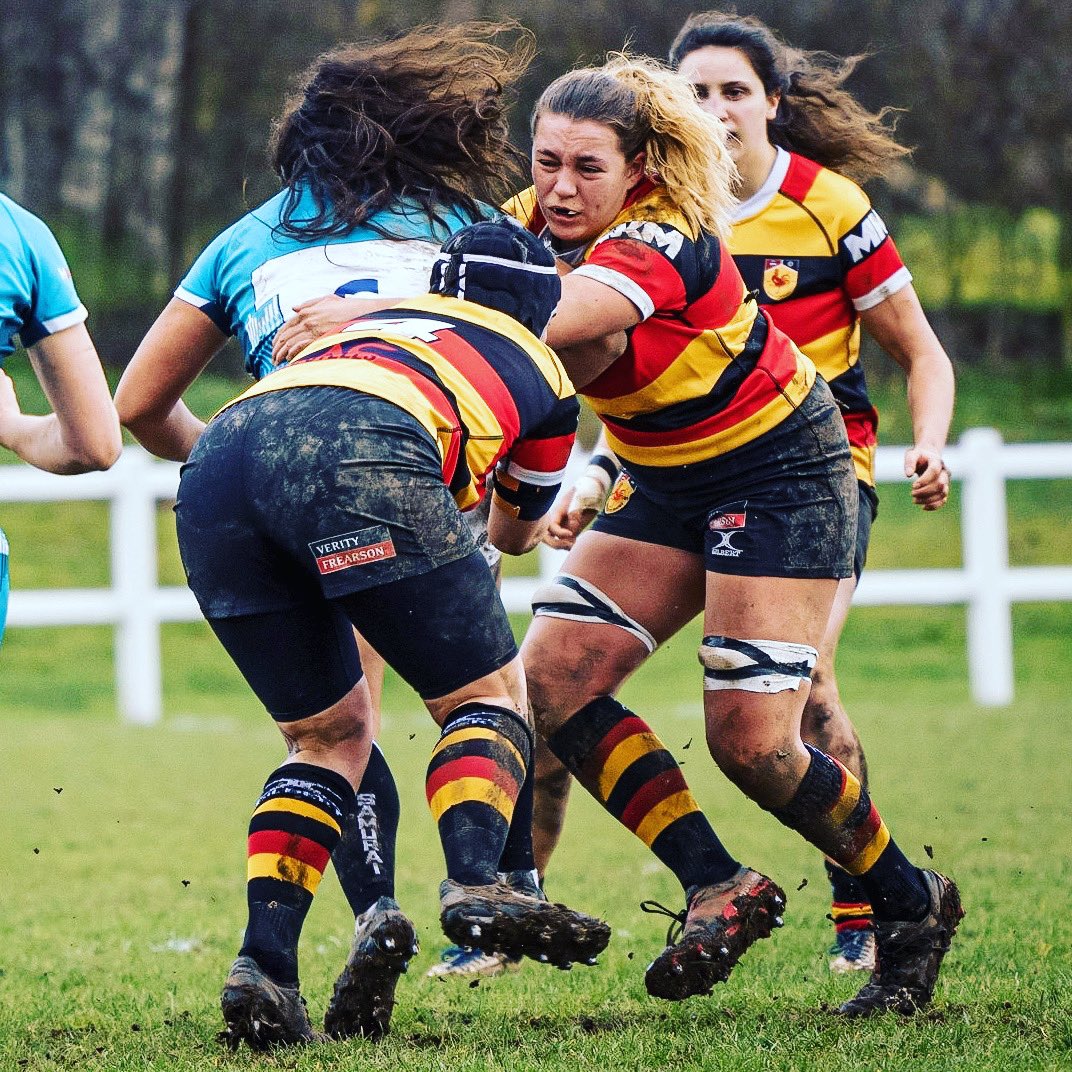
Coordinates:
<point>568,662</point>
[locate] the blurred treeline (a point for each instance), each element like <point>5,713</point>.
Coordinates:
<point>137,129</point>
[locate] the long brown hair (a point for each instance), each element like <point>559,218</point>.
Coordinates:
<point>419,118</point>
<point>817,117</point>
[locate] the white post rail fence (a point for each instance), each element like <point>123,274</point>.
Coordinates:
<point>137,605</point>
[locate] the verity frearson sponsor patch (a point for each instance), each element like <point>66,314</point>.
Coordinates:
<point>337,553</point>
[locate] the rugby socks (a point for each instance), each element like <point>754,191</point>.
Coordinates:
<point>295,827</point>
<point>517,852</point>
<point>850,909</point>
<point>364,858</point>
<point>835,813</point>
<point>621,762</point>
<point>474,779</point>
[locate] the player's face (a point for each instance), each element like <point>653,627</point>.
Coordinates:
<point>728,87</point>
<point>581,175</point>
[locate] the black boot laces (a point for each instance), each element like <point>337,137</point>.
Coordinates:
<point>677,926</point>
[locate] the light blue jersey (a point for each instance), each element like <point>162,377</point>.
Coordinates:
<point>37,296</point>
<point>37,299</point>
<point>250,277</point>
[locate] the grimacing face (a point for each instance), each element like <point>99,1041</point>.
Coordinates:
<point>581,175</point>
<point>728,87</point>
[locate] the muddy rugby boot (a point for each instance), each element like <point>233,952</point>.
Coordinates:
<point>720,923</point>
<point>364,996</point>
<point>498,919</point>
<point>260,1011</point>
<point>909,955</point>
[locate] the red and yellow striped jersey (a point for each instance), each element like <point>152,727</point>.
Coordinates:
<point>704,371</point>
<point>488,391</point>
<point>816,253</point>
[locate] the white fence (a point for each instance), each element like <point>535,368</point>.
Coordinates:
<point>136,605</point>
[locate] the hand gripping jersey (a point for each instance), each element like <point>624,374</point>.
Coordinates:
<point>250,277</point>
<point>489,392</point>
<point>704,372</point>
<point>816,253</point>
<point>37,296</point>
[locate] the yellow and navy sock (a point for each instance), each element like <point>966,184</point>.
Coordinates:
<point>474,778</point>
<point>295,827</point>
<point>849,909</point>
<point>364,858</point>
<point>835,813</point>
<point>624,765</point>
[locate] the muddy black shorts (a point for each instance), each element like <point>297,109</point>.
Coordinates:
<point>864,520</point>
<point>783,505</point>
<point>304,510</point>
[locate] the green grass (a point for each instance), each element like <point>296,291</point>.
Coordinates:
<point>124,903</point>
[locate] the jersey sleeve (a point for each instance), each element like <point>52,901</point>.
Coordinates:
<point>528,478</point>
<point>44,299</point>
<point>651,264</point>
<point>872,267</point>
<point>201,286</point>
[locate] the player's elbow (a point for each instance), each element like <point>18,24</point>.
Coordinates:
<point>97,452</point>
<point>512,536</point>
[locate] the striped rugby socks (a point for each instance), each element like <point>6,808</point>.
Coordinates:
<point>833,811</point>
<point>295,826</point>
<point>474,779</point>
<point>624,765</point>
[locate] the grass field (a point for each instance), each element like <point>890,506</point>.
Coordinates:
<point>124,905</point>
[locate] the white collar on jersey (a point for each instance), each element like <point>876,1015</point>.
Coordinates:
<point>765,194</point>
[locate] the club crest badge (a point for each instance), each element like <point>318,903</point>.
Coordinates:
<point>780,277</point>
<point>620,494</point>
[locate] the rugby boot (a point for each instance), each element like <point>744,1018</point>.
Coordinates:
<point>719,924</point>
<point>261,1012</point>
<point>853,951</point>
<point>908,955</point>
<point>498,919</point>
<point>364,995</point>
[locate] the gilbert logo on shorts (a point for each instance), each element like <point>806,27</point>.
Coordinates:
<point>723,524</point>
<point>352,549</point>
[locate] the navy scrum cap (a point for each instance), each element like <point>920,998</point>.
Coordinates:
<point>498,263</point>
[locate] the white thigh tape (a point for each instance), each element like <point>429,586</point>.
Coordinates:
<point>755,665</point>
<point>570,597</point>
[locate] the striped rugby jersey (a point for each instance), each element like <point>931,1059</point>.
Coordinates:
<point>816,253</point>
<point>704,372</point>
<point>488,391</point>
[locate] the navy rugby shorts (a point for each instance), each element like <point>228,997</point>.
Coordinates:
<point>305,510</point>
<point>783,505</point>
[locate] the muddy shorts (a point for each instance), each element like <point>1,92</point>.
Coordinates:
<point>303,511</point>
<point>865,518</point>
<point>783,505</point>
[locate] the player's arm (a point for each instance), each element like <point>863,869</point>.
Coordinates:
<point>528,479</point>
<point>588,330</point>
<point>81,433</point>
<point>576,508</point>
<point>175,350</point>
<point>900,326</point>
<point>321,316</point>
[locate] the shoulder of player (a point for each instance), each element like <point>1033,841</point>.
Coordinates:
<point>835,201</point>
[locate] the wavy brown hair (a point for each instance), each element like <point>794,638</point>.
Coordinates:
<point>817,117</point>
<point>417,119</point>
